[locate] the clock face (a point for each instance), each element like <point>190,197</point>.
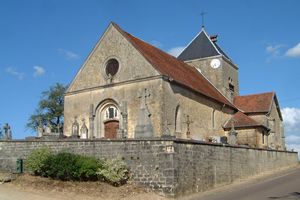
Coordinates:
<point>215,63</point>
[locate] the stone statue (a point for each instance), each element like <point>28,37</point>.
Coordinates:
<point>144,128</point>
<point>75,128</point>
<point>83,130</point>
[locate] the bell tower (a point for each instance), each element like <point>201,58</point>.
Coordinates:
<point>212,62</point>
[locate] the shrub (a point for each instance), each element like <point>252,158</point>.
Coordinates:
<point>114,171</point>
<point>88,167</point>
<point>36,161</point>
<point>62,166</point>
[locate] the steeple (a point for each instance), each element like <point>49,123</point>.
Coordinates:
<point>202,46</point>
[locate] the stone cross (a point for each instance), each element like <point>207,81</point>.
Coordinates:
<point>91,120</point>
<point>7,132</point>
<point>166,129</point>
<point>143,95</point>
<point>144,128</point>
<point>122,132</point>
<point>188,122</point>
<point>232,139</point>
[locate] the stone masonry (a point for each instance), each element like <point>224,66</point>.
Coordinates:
<point>170,167</point>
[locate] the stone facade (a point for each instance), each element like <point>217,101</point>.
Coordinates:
<point>138,99</point>
<point>169,104</point>
<point>170,167</point>
<point>219,77</point>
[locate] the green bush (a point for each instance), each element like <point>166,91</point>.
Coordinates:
<point>67,166</point>
<point>114,171</point>
<point>36,161</point>
<point>88,167</point>
<point>62,166</point>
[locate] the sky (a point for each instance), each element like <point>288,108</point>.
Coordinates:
<point>43,42</point>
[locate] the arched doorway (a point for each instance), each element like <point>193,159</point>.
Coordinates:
<point>107,120</point>
<point>111,122</point>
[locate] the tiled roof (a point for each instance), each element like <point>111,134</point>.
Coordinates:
<point>201,47</point>
<point>256,103</point>
<point>176,70</point>
<point>239,119</point>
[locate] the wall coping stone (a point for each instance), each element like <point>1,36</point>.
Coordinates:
<point>175,140</point>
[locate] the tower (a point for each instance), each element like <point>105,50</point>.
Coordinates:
<point>208,58</point>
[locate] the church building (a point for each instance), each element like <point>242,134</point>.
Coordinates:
<point>127,88</point>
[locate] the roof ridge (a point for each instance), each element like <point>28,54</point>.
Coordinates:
<point>256,94</point>
<point>163,61</point>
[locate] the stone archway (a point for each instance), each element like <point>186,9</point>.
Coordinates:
<point>107,120</point>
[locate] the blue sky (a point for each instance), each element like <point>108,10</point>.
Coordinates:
<point>44,42</point>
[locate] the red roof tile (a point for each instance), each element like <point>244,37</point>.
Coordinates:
<point>256,103</point>
<point>177,70</point>
<point>241,120</point>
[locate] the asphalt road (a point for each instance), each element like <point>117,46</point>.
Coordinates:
<point>280,186</point>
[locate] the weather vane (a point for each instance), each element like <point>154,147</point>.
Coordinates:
<point>202,14</point>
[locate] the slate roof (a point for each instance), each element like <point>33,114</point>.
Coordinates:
<point>201,47</point>
<point>255,103</point>
<point>176,70</point>
<point>240,120</point>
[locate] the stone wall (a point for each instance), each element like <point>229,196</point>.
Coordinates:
<point>171,167</point>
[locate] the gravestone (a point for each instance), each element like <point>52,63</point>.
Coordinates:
<point>144,128</point>
<point>83,130</point>
<point>75,129</point>
<point>48,128</point>
<point>232,135</point>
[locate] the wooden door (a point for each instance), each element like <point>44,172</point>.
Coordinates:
<point>111,128</point>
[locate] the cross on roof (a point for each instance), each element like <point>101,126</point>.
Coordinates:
<point>202,15</point>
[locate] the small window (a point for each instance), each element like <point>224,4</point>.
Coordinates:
<point>112,67</point>
<point>111,112</point>
<point>231,87</point>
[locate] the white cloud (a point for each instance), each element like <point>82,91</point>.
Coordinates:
<point>175,51</point>
<point>14,72</point>
<point>291,120</point>
<point>294,51</point>
<point>38,71</point>
<point>69,55</point>
<point>273,50</point>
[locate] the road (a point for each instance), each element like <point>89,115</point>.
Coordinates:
<point>280,186</point>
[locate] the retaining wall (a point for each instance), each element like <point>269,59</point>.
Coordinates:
<point>171,167</point>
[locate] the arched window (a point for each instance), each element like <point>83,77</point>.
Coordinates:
<point>178,119</point>
<point>111,112</point>
<point>213,123</point>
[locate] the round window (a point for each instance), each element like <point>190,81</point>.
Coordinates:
<point>112,67</point>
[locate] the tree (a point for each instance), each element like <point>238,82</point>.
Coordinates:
<point>50,108</point>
